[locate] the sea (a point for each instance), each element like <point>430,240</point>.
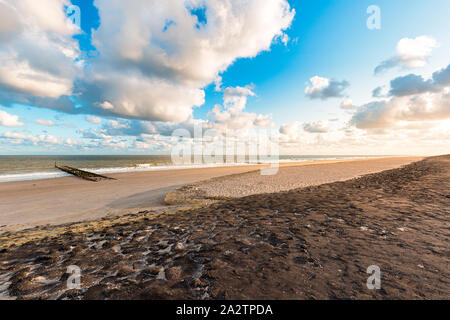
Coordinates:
<point>37,167</point>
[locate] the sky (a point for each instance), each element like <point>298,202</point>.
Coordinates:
<point>329,77</point>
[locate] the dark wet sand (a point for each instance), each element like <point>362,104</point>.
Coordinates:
<point>310,243</point>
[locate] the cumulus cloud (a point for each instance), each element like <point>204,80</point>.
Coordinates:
<point>403,111</point>
<point>347,104</point>
<point>315,137</point>
<point>231,116</point>
<point>377,114</point>
<point>146,69</point>
<point>43,139</point>
<point>126,127</point>
<point>411,53</point>
<point>410,84</point>
<point>412,103</point>
<point>43,122</point>
<point>153,142</point>
<point>442,77</point>
<point>136,96</point>
<point>38,54</point>
<point>392,113</point>
<point>315,127</point>
<point>151,36</point>
<point>323,88</point>
<point>93,120</point>
<point>379,92</point>
<point>9,120</point>
<point>300,135</point>
<point>416,84</point>
<point>290,129</point>
<point>106,105</point>
<point>290,133</point>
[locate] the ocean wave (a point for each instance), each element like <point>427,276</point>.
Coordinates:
<point>32,176</point>
<point>42,175</point>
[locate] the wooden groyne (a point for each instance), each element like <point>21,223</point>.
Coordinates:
<point>90,176</point>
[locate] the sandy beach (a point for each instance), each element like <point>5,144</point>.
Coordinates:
<point>313,242</point>
<point>28,204</point>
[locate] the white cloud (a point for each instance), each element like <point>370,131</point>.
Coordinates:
<point>323,88</point>
<point>93,120</point>
<point>413,102</point>
<point>43,139</point>
<point>43,122</point>
<point>146,69</point>
<point>411,53</point>
<point>106,105</point>
<point>72,143</point>
<point>143,38</point>
<point>235,98</point>
<point>9,120</point>
<point>137,96</point>
<point>315,127</point>
<point>153,142</point>
<point>290,133</point>
<point>399,111</point>
<point>20,76</point>
<point>117,124</point>
<point>263,121</point>
<point>414,52</point>
<point>37,52</point>
<point>347,104</point>
<point>231,116</point>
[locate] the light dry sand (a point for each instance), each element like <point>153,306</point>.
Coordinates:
<point>289,177</point>
<point>27,204</point>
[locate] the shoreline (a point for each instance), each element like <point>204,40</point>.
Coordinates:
<point>57,174</point>
<point>27,204</point>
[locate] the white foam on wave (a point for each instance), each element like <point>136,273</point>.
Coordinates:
<point>138,168</point>
<point>32,176</point>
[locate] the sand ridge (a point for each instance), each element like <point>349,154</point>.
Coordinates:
<point>288,177</point>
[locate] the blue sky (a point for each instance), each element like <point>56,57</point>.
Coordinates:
<point>327,39</point>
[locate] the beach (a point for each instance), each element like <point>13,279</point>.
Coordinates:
<point>26,204</point>
<point>313,242</point>
<point>224,156</point>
